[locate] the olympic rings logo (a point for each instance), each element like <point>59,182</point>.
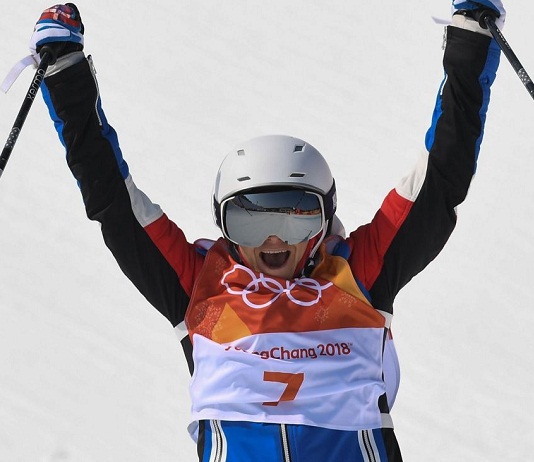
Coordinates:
<point>274,286</point>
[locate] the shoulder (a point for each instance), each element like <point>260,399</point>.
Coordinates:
<point>203,245</point>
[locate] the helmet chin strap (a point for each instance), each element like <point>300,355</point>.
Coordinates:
<point>308,260</point>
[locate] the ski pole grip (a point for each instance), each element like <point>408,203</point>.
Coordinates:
<point>53,49</point>
<point>485,15</point>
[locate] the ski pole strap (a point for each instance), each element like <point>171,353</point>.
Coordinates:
<point>16,71</point>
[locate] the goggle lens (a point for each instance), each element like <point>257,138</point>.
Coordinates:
<point>293,215</point>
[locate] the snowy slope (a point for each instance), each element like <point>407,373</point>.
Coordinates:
<point>90,372</point>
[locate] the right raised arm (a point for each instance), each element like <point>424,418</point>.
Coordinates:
<point>417,218</point>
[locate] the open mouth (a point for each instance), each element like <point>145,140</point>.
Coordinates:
<point>275,258</point>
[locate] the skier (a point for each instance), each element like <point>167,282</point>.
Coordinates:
<point>285,320</point>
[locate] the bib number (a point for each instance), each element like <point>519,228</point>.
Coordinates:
<point>293,383</point>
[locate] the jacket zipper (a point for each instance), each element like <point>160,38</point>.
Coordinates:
<point>93,73</point>
<point>285,443</point>
<point>368,446</point>
<point>216,428</point>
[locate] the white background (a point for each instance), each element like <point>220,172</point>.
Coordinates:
<point>90,372</point>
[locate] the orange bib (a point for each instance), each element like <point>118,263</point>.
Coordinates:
<point>231,301</point>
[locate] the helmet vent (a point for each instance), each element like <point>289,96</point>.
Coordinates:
<point>244,178</point>
<point>298,148</point>
<point>241,152</point>
<point>297,175</point>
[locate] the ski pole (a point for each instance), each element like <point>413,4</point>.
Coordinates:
<point>48,57</point>
<point>489,20</point>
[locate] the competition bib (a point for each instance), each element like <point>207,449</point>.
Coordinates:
<point>267,349</point>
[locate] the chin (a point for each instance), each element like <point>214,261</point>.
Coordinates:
<point>284,272</point>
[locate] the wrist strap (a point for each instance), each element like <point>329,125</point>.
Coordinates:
<point>62,63</point>
<point>16,71</point>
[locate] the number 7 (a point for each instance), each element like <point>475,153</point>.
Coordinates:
<point>294,382</point>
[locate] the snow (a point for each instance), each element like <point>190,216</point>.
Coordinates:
<point>90,372</point>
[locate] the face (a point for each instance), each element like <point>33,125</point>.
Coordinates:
<point>274,257</point>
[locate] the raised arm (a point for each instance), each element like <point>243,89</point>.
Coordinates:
<point>418,216</point>
<point>151,250</point>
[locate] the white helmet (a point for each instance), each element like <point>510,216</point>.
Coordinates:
<point>272,161</point>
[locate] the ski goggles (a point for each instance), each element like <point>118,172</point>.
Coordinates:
<point>293,215</point>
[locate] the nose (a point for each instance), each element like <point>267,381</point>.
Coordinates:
<point>274,239</point>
